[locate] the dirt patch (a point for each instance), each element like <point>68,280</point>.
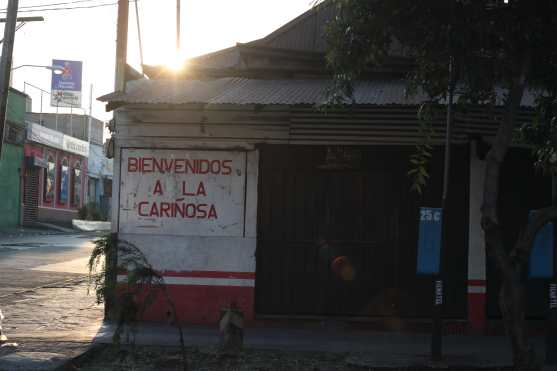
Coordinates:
<point>143,358</point>
<point>114,358</point>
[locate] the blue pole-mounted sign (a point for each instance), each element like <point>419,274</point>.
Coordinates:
<point>541,256</point>
<point>429,240</point>
<point>66,83</point>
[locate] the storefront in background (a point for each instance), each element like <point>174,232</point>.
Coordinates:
<point>55,171</point>
<point>99,180</point>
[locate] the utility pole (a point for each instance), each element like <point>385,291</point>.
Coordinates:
<point>90,118</point>
<point>119,86</point>
<point>6,65</point>
<point>177,28</point>
<point>439,282</point>
<point>121,45</point>
<point>5,70</point>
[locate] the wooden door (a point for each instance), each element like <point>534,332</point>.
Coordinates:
<point>314,212</point>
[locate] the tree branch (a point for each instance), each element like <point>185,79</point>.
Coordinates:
<point>497,153</point>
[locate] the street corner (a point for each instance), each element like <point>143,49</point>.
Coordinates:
<point>30,361</point>
<point>7,348</point>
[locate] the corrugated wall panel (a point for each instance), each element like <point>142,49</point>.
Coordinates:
<point>368,125</point>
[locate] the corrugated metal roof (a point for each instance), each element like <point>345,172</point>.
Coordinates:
<point>243,91</point>
<point>305,32</point>
<point>225,58</point>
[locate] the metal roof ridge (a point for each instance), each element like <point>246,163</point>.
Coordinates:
<point>290,24</point>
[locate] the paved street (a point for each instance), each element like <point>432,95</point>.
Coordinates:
<point>43,295</point>
<point>33,261</point>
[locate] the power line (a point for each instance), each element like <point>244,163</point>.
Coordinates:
<point>139,34</point>
<point>56,4</point>
<point>64,8</point>
<point>16,28</point>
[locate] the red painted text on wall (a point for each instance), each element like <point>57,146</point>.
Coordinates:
<point>178,166</point>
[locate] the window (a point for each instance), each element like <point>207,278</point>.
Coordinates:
<point>48,180</point>
<point>76,184</point>
<point>64,180</point>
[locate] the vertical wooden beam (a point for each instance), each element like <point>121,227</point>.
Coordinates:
<point>6,65</point>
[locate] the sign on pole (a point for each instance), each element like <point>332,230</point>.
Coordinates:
<point>541,256</point>
<point>429,241</point>
<point>66,86</point>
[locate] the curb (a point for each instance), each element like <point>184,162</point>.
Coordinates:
<point>72,364</point>
<point>55,227</point>
<point>91,226</point>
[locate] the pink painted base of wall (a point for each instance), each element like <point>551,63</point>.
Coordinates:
<point>197,304</point>
<point>477,301</point>
<point>476,312</point>
<point>202,304</point>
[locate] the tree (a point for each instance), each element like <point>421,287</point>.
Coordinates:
<point>499,50</point>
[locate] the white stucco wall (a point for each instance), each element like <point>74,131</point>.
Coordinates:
<point>97,164</point>
<point>476,249</point>
<point>177,244</point>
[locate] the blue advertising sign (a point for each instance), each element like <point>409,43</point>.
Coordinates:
<point>66,83</point>
<point>541,256</point>
<point>429,240</point>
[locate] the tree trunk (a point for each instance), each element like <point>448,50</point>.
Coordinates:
<point>512,304</point>
<point>511,299</point>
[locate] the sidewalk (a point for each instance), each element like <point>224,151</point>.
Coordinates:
<point>51,325</point>
<point>363,349</point>
<point>56,323</point>
<point>52,341</point>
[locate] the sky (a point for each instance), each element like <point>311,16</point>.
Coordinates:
<point>89,35</point>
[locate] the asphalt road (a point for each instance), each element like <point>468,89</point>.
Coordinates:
<point>32,261</point>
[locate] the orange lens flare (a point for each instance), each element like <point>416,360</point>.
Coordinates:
<point>343,268</point>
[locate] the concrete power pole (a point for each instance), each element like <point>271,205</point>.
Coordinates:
<point>177,28</point>
<point>119,86</point>
<point>5,70</point>
<point>90,118</point>
<point>121,45</point>
<point>6,65</point>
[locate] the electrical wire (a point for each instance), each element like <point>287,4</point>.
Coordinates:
<point>63,8</point>
<point>56,4</point>
<point>16,28</point>
<point>139,35</point>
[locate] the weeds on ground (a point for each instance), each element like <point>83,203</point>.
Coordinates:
<point>128,299</point>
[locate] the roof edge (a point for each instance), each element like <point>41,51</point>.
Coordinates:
<point>292,23</point>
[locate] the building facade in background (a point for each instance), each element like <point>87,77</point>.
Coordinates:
<point>57,159</point>
<point>11,161</point>
<point>55,175</point>
<point>99,183</point>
